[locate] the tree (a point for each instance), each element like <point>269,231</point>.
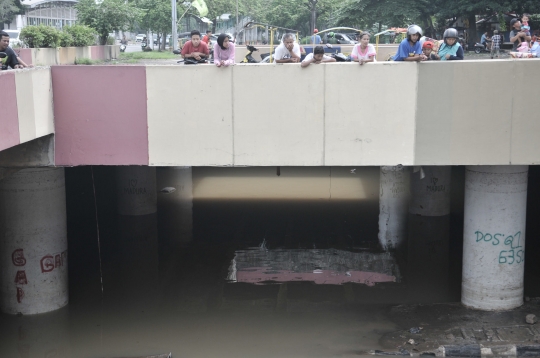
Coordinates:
<point>156,18</point>
<point>107,16</point>
<point>8,10</point>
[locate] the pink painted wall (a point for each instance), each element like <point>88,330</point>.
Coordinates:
<point>9,119</point>
<point>26,55</point>
<point>97,52</point>
<point>100,115</point>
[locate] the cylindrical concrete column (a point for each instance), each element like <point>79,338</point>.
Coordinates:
<point>429,234</point>
<point>175,203</point>
<point>33,241</point>
<point>430,191</point>
<point>136,190</point>
<point>393,206</point>
<point>494,237</point>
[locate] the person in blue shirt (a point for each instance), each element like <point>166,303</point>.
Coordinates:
<point>410,48</point>
<point>315,39</point>
<point>451,49</point>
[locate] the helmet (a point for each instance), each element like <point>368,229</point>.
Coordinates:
<point>315,31</point>
<point>427,44</point>
<point>450,32</point>
<point>330,34</point>
<point>414,29</point>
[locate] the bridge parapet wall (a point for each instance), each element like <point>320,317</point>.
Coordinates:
<point>385,113</point>
<point>27,106</point>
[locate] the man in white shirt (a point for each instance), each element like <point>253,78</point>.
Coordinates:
<point>288,51</point>
<point>317,57</point>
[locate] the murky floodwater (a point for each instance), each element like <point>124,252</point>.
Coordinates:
<point>265,265</point>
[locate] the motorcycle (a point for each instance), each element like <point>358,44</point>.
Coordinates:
<point>265,57</point>
<point>143,45</point>
<point>122,48</point>
<point>479,48</point>
<point>249,56</point>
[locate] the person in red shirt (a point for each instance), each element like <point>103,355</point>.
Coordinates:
<point>206,38</point>
<point>195,48</point>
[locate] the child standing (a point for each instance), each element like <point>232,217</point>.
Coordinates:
<point>427,49</point>
<point>496,41</point>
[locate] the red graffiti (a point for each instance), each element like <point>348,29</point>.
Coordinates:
<point>20,294</point>
<point>57,260</point>
<point>50,262</point>
<point>20,278</point>
<point>17,257</point>
<point>47,263</point>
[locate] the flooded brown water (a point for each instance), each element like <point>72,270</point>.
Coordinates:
<point>273,265</point>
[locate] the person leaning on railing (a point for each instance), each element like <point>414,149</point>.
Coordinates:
<point>10,58</point>
<point>223,51</point>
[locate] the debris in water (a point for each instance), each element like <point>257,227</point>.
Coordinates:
<point>168,190</point>
<point>415,330</point>
<point>531,319</point>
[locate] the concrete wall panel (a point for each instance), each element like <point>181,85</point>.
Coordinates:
<point>290,131</point>
<point>190,115</point>
<point>100,115</point>
<point>362,127</point>
<point>9,120</point>
<point>481,113</point>
<point>434,114</point>
<point>525,118</point>
<point>26,108</point>
<point>43,102</point>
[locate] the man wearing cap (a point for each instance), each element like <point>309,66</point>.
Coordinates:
<point>315,39</point>
<point>517,36</point>
<point>427,50</point>
<point>496,41</point>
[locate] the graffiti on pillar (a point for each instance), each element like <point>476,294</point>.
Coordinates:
<point>50,262</point>
<point>433,187</point>
<point>20,278</point>
<point>17,257</point>
<point>512,249</point>
<point>20,294</point>
<point>132,188</point>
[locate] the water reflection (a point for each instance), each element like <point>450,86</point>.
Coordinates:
<point>325,266</point>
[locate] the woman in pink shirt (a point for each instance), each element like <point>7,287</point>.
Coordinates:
<point>223,51</point>
<point>364,51</point>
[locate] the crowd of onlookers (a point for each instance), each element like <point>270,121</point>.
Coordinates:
<point>414,47</point>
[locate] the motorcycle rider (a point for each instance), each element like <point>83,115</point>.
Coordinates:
<point>451,49</point>
<point>410,49</point>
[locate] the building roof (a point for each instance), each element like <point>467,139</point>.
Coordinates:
<point>34,3</point>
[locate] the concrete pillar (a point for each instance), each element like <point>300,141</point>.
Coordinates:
<point>429,234</point>
<point>138,259</point>
<point>175,203</point>
<point>393,205</point>
<point>494,237</point>
<point>136,190</point>
<point>33,241</point>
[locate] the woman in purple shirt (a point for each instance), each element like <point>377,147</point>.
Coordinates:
<point>223,51</point>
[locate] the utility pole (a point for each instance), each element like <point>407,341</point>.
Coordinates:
<point>174,26</point>
<point>312,6</point>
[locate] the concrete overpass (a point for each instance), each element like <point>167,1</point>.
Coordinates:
<point>394,115</point>
<point>453,113</point>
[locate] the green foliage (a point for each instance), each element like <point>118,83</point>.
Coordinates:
<point>65,39</point>
<point>82,35</point>
<point>40,36</point>
<point>148,56</point>
<point>9,9</point>
<point>107,16</point>
<point>84,61</point>
<point>110,40</point>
